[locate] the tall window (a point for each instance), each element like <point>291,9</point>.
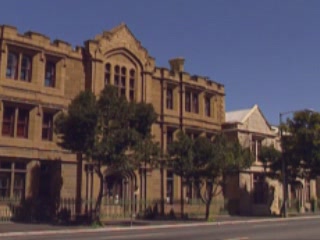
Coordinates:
<point>132,84</point>
<point>50,74</point>
<point>107,74</point>
<point>12,65</point>
<point>169,98</point>
<point>191,102</point>
<point>47,126</point>
<point>256,144</point>
<point>188,101</point>
<point>12,176</point>
<point>170,176</point>
<point>116,76</point>
<point>195,103</point>
<point>260,189</point>
<point>23,121</point>
<point>26,66</point>
<point>123,82</point>
<point>8,121</point>
<point>169,137</point>
<point>207,106</point>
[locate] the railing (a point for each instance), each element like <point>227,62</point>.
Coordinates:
<point>64,210</point>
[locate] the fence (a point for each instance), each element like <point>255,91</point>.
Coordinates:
<point>65,209</point>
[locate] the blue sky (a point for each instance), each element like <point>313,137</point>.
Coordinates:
<point>264,52</point>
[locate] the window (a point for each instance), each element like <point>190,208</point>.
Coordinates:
<point>207,106</point>
<point>116,75</point>
<point>170,186</point>
<point>50,74</point>
<point>12,179</point>
<point>132,85</point>
<point>188,102</point>
<point>26,68</point>
<point>260,189</point>
<point>8,121</point>
<point>47,126</point>
<point>123,82</point>
<point>107,74</point>
<point>22,125</point>
<point>256,147</point>
<point>169,137</point>
<point>169,98</point>
<point>191,102</point>
<point>12,65</point>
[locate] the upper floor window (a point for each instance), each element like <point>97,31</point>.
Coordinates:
<point>169,98</point>
<point>47,126</point>
<point>256,144</point>
<point>50,74</point>
<point>191,102</point>
<point>8,121</point>
<point>123,82</point>
<point>23,122</point>
<point>9,124</point>
<point>26,68</point>
<point>12,65</point>
<point>116,75</point>
<point>132,84</point>
<point>107,74</point>
<point>207,104</point>
<point>19,66</point>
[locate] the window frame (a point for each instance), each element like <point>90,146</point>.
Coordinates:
<point>169,98</point>
<point>11,67</point>
<point>47,126</point>
<point>50,81</point>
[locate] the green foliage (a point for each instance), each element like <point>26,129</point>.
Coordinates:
<point>77,129</point>
<point>301,143</point>
<point>181,154</point>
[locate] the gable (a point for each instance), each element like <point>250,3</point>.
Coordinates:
<point>121,39</point>
<point>256,122</point>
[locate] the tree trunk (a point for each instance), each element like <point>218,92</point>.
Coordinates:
<point>99,199</point>
<point>181,199</point>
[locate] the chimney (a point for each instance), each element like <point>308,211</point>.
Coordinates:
<point>176,64</point>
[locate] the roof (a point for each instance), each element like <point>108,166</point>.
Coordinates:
<point>238,116</point>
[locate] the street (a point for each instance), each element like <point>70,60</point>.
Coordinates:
<point>279,229</point>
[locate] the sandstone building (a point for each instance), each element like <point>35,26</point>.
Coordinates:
<point>38,79</point>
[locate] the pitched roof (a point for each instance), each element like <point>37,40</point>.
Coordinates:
<point>239,115</point>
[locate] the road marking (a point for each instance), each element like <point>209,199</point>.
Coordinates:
<point>238,238</point>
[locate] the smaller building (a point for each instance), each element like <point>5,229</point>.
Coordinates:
<point>252,191</point>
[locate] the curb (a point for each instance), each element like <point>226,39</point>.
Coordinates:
<point>134,228</point>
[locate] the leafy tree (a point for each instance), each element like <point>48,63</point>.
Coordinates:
<point>108,131</point>
<point>181,157</point>
<point>215,159</point>
<point>271,157</point>
<point>301,144</point>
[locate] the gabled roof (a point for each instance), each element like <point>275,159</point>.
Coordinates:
<point>239,116</point>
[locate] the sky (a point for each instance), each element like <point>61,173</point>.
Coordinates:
<point>263,52</point>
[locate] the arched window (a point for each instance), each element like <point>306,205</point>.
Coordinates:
<point>116,75</point>
<point>132,84</point>
<point>123,82</point>
<point>107,74</point>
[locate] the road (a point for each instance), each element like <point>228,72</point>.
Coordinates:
<point>281,229</point>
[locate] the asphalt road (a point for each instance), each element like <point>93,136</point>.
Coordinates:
<point>284,229</point>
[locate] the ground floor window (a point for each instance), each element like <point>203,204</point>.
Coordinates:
<point>170,177</point>
<point>260,189</point>
<point>12,179</point>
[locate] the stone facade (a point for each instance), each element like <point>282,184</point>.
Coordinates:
<point>38,79</point>
<point>254,194</point>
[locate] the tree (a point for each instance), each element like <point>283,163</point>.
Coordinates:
<point>301,144</point>
<point>108,131</point>
<point>213,160</point>
<point>180,153</point>
<point>271,157</point>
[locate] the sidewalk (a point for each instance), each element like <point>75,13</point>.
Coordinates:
<point>19,228</point>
